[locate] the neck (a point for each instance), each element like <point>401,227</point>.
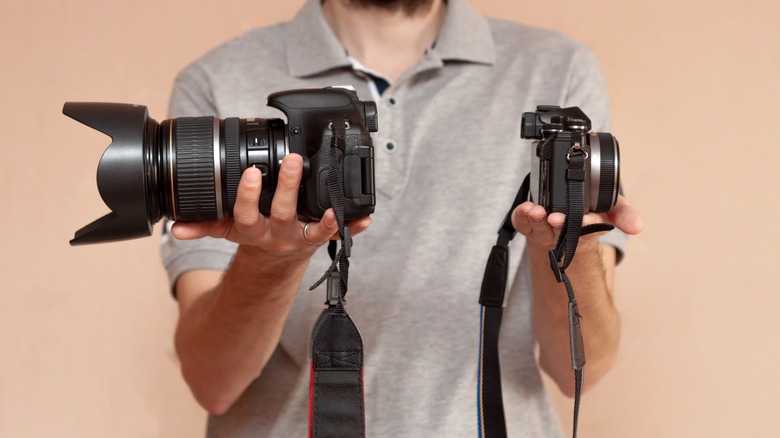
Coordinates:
<point>387,41</point>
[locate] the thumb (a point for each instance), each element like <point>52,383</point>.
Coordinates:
<point>626,218</point>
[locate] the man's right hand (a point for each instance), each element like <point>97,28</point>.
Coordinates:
<point>281,233</point>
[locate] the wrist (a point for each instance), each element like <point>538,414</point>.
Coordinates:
<point>588,243</point>
<point>254,269</point>
<point>261,257</point>
<point>585,243</point>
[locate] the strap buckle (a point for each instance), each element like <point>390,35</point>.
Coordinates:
<point>333,289</point>
<point>576,149</point>
<point>346,243</point>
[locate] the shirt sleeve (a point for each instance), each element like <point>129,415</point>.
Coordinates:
<point>180,256</point>
<point>191,96</point>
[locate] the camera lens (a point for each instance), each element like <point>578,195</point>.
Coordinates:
<point>201,160</point>
<point>184,169</point>
<point>604,171</point>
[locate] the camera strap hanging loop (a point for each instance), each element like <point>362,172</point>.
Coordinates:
<point>490,408</point>
<point>562,256</point>
<point>491,422</point>
<point>575,207</point>
<point>560,259</point>
<point>336,396</point>
<point>336,195</point>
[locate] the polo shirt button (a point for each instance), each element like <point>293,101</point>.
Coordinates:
<point>391,146</point>
<point>392,101</point>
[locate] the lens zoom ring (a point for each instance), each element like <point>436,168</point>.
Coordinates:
<point>195,197</point>
<point>232,162</point>
<point>608,169</point>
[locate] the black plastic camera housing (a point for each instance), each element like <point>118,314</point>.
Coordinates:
<point>189,168</point>
<point>560,131</point>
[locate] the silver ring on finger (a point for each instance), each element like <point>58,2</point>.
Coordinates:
<point>306,235</point>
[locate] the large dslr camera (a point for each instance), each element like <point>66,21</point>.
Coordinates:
<point>561,131</point>
<point>189,168</point>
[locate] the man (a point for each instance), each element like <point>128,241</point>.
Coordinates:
<point>449,160</point>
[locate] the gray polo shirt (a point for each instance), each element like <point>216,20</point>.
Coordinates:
<point>449,160</point>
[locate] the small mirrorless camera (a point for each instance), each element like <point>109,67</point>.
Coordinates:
<point>560,132</point>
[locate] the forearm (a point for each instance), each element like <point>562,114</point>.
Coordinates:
<point>227,335</point>
<point>591,273</point>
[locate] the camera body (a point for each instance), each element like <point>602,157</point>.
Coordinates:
<point>559,132</point>
<point>189,168</point>
<point>311,114</point>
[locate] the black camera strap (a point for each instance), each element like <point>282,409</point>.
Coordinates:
<point>336,396</point>
<point>492,298</point>
<point>490,404</point>
<point>561,257</point>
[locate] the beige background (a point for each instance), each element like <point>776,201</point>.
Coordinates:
<point>85,333</point>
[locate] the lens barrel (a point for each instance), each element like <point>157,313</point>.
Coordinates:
<point>200,161</point>
<point>604,171</point>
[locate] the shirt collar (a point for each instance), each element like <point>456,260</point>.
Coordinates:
<point>465,36</point>
<point>312,47</point>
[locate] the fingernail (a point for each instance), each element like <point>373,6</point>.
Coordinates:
<point>330,221</point>
<point>252,176</point>
<point>292,165</point>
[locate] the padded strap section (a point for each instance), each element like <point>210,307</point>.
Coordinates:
<point>337,404</point>
<point>495,279</point>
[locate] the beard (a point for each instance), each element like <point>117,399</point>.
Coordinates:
<point>410,7</point>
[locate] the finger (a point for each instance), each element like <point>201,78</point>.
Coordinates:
<point>246,214</point>
<point>327,228</point>
<point>190,230</point>
<point>197,230</point>
<point>359,225</point>
<point>626,218</point>
<point>320,232</point>
<point>556,220</point>
<point>529,218</point>
<point>284,206</point>
<point>520,219</point>
<point>538,220</point>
